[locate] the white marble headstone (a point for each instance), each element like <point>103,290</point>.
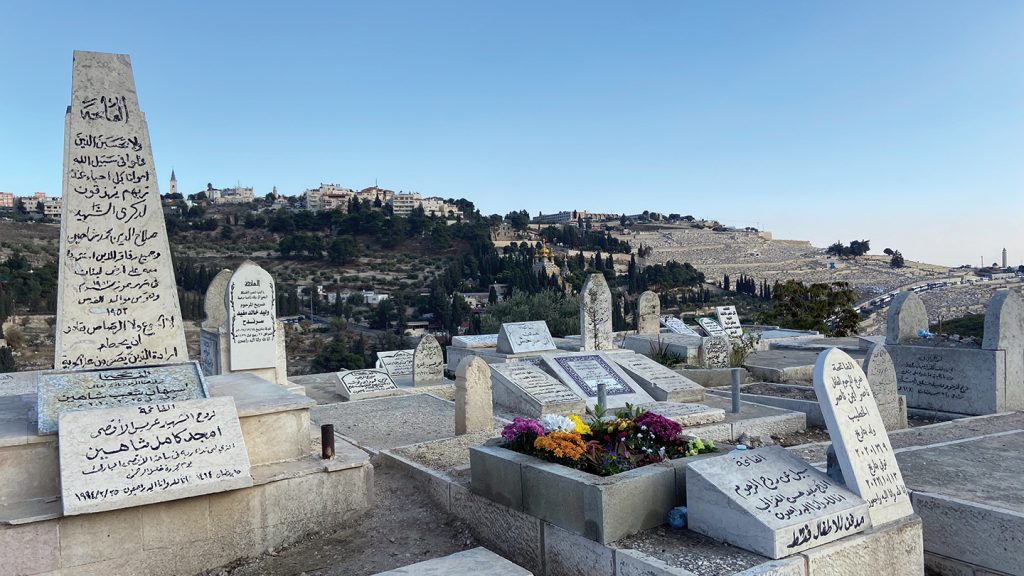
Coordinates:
<point>428,362</point>
<point>677,326</point>
<point>358,384</point>
<point>861,443</point>
<point>520,337</point>
<point>396,362</point>
<point>711,327</point>
<point>582,372</point>
<point>729,320</point>
<point>252,318</point>
<point>475,341</point>
<point>661,382</point>
<point>526,389</point>
<point>770,501</point>
<point>129,456</point>
<point>117,304</point>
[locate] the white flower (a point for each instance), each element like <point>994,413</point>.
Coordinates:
<point>643,427</point>
<point>557,423</point>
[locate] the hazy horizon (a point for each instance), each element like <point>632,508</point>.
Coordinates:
<point>898,124</point>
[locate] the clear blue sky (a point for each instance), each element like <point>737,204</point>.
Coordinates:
<point>898,122</point>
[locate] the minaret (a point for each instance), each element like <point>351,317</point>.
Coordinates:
<point>174,184</point>
<point>1004,257</point>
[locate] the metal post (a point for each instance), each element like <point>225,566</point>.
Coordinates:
<point>602,395</point>
<point>327,441</point>
<point>737,379</point>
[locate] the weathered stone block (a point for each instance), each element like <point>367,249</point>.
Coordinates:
<point>163,523</point>
<point>630,562</point>
<point>518,540</point>
<point>566,553</point>
<point>785,567</point>
<point>277,436</point>
<point>102,536</point>
<point>894,548</point>
<point>496,475</point>
<point>982,535</point>
<point>30,548</point>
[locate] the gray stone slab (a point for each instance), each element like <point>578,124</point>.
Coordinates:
<point>475,341</point>
<point>1004,330</point>
<point>959,380</point>
<point>396,362</point>
<point>770,501</point>
<point>476,561</point>
<point>251,304</point>
<point>881,376</point>
<point>17,383</point>
<point>677,326</point>
<point>648,311</point>
<point>117,304</point>
<point>712,327</point>
<point>715,352</point>
<point>782,364</point>
<point>129,456</point>
<point>474,408</point>
<point>427,362</point>
<point>661,382</point>
<point>862,445</point>
<point>596,314</point>
<point>685,347</point>
<point>526,389</point>
<point>362,384</point>
<point>63,391</point>
<point>582,371</point>
<point>906,316</point>
<point>520,337</point>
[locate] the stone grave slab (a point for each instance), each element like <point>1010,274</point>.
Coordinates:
<point>526,389</point>
<point>677,326</point>
<point>906,315</point>
<point>881,376</point>
<point>117,304</point>
<point>64,391</point>
<point>520,337</point>
<point>686,414</point>
<point>715,351</point>
<point>129,456</point>
<point>958,380</point>
<point>475,341</point>
<point>252,318</point>
<point>209,352</point>
<point>596,314</point>
<point>648,310</point>
<point>582,372</point>
<point>474,405</point>
<point>396,362</point>
<point>711,327</point>
<point>661,382</point>
<point>771,502</point>
<point>729,320</point>
<point>858,434</point>
<point>427,362</point>
<point>360,384</point>
<point>15,383</point>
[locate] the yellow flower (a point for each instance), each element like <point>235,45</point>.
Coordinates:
<point>561,444</point>
<point>581,427</point>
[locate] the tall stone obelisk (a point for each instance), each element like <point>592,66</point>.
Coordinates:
<point>117,304</point>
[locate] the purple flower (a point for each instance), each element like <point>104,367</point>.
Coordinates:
<point>664,429</point>
<point>520,426</point>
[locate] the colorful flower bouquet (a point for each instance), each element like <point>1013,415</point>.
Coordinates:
<point>607,445</point>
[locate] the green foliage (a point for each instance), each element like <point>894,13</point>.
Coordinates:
<point>827,308</point>
<point>561,312</point>
<point>671,275</point>
<point>971,325</point>
<point>27,288</point>
<point>856,248</point>
<point>661,355</point>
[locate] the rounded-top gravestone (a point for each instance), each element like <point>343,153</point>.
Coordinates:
<point>474,410</point>
<point>252,318</point>
<point>907,315</point>
<point>648,312</point>
<point>596,314</point>
<point>427,362</point>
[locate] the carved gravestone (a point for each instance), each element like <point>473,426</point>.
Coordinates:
<point>427,363</point>
<point>252,318</point>
<point>520,337</point>
<point>397,363</point>
<point>129,456</point>
<point>861,443</point>
<point>729,320</point>
<point>648,313</point>
<point>770,501</point>
<point>596,314</point>
<point>117,304</point>
<point>906,316</point>
<point>711,327</point>
<point>661,382</point>
<point>583,372</point>
<point>881,376</point>
<point>473,408</point>
<point>1004,330</point>
<point>215,324</point>
<point>677,326</point>
<point>362,384</point>
<point>525,389</point>
<point>714,352</point>
<point>475,341</point>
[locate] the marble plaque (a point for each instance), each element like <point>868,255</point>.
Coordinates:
<point>596,314</point>
<point>209,352</point>
<point>677,326</point>
<point>427,362</point>
<point>117,304</point>
<point>582,372</point>
<point>520,337</point>
<point>661,382</point>
<point>715,352</point>
<point>475,341</point>
<point>711,327</point>
<point>729,320</point>
<point>859,437</point>
<point>771,502</point>
<point>17,383</point>
<point>526,389</point>
<point>65,391</point>
<point>396,362</point>
<point>686,414</point>
<point>356,384</point>
<point>252,318</point>
<point>129,456</point>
